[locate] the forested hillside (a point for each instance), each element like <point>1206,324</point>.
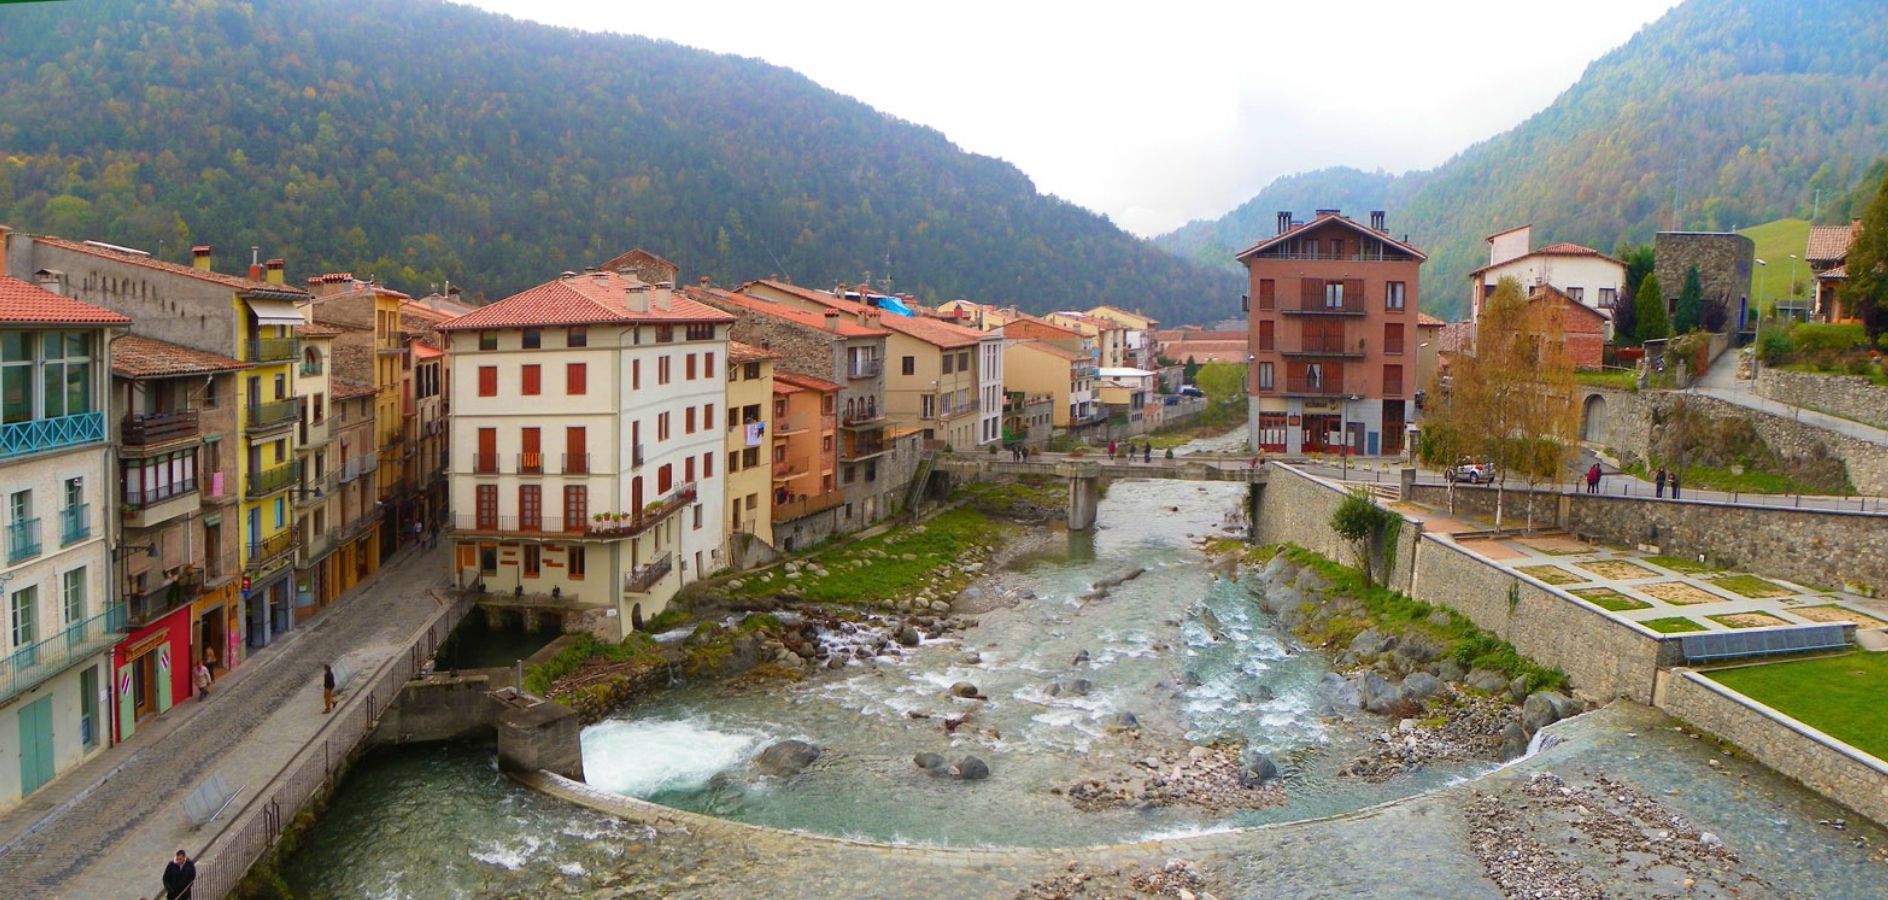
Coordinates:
<point>420,141</point>
<point>1722,114</point>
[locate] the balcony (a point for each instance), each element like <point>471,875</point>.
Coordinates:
<point>274,414</point>
<point>1322,306</point>
<point>318,545</point>
<point>540,524</point>
<point>22,539</point>
<point>274,349</point>
<point>269,548</point>
<point>1326,345</point>
<point>864,368</point>
<point>806,506</point>
<point>1327,386</point>
<point>268,481</point>
<point>75,524</point>
<point>530,463</point>
<point>33,436</point>
<point>311,367</point>
<point>152,603</point>
<point>311,435</point>
<point>146,507</point>
<point>485,464</point>
<point>784,427</point>
<point>646,577</point>
<point>601,525</point>
<point>315,491</point>
<point>358,467</point>
<point>156,429</point>
<point>861,446</point>
<point>789,469</point>
<point>361,524</point>
<point>579,463</point>
<point>31,665</point>
<point>860,420</point>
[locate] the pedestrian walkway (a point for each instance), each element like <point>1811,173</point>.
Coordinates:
<point>1720,382</point>
<point>107,828</point>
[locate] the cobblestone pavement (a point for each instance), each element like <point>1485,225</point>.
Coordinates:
<point>114,841</point>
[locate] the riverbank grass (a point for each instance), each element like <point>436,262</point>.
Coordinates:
<point>1838,695</point>
<point>897,564</point>
<point>638,646</point>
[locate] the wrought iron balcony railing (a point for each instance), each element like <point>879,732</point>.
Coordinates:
<point>35,435</point>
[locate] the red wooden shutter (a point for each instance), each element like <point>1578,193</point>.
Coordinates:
<point>488,381</point>
<point>575,375</point>
<point>532,380</point>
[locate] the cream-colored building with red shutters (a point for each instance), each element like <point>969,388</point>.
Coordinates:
<point>588,446</point>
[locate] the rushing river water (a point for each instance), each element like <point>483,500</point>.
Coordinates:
<point>1187,652</point>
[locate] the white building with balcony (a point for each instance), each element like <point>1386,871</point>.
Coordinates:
<point>60,624</point>
<point>587,433</point>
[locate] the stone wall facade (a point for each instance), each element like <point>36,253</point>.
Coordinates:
<point>1848,396</point>
<point>1823,764</point>
<point>1724,261</point>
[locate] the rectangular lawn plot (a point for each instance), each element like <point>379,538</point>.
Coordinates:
<point>1747,620</point>
<point>1552,575</point>
<point>1672,625</point>
<point>1751,586</point>
<point>1833,613</point>
<point>1617,569</point>
<point>1607,598</point>
<point>1678,593</point>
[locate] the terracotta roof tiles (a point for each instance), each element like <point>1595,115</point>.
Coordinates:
<point>847,327</point>
<point>590,298</point>
<point>25,303</point>
<point>746,353</point>
<point>806,381</point>
<point>1828,243</point>
<point>234,282</point>
<point>137,356</point>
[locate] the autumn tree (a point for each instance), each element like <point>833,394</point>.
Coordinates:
<point>1648,306</point>
<point>1866,289</point>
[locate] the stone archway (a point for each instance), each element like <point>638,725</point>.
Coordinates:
<point>1593,419</point>
<point>635,617</point>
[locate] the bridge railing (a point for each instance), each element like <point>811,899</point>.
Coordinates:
<point>259,823</point>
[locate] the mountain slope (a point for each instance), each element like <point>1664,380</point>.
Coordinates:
<point>1730,111</point>
<point>422,141</point>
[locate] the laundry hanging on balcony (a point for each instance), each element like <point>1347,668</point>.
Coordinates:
<point>754,431</point>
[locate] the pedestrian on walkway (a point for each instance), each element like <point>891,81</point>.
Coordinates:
<point>1658,482</point>
<point>1147,452</point>
<point>202,676</point>
<point>1674,485</point>
<point>179,876</point>
<point>327,689</point>
<point>1593,479</point>
<point>1111,451</point>
<point>209,661</point>
<point>418,531</point>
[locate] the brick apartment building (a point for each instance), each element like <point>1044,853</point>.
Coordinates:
<point>1333,336</point>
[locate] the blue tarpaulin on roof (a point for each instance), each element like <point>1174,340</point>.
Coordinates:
<point>893,304</point>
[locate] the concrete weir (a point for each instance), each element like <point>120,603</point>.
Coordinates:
<point>532,734</point>
<point>1087,477</point>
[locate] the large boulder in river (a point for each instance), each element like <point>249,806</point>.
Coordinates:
<point>1374,693</point>
<point>1487,681</point>
<point>1342,692</point>
<point>909,637</point>
<point>966,690</point>
<point>1544,708</point>
<point>1513,741</point>
<point>930,762</point>
<point>971,768</point>
<point>1124,721</point>
<point>786,758</point>
<point>1255,768</point>
<point>1080,687</point>
<point>1371,642</point>
<point>1420,686</point>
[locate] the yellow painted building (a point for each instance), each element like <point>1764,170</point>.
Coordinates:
<point>266,467</point>
<point>750,426</point>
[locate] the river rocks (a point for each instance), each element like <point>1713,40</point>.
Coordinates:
<point>1518,688</point>
<point>1486,681</point>
<point>1374,693</point>
<point>1169,777</point>
<point>1081,658</point>
<point>1449,670</point>
<point>1513,741</point>
<point>1256,768</point>
<point>909,637</point>
<point>1340,691</point>
<point>1124,721</point>
<point>1471,727</point>
<point>1420,686</point>
<point>1545,708</point>
<point>786,758</point>
<point>966,690</point>
<point>930,762</point>
<point>1371,642</point>
<point>970,768</point>
<point>1260,694</point>
<point>1080,687</point>
<point>971,658</point>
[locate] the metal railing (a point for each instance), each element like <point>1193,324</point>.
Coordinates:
<point>22,539</point>
<point>531,463</point>
<point>75,523</point>
<point>791,468</point>
<point>579,463</point>
<point>645,577</point>
<point>864,368</point>
<point>34,663</point>
<point>863,419</point>
<point>140,498</point>
<point>255,827</point>
<point>158,428</point>
<point>268,481</point>
<point>485,464</point>
<point>270,547</point>
<point>521,524</point>
<point>35,435</point>
<point>365,464</point>
<point>274,349</point>
<point>1326,386</point>
<point>274,413</point>
<point>1321,305</point>
<point>857,446</point>
<point>1324,345</point>
<point>311,368</point>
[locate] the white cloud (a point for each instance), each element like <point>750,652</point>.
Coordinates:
<point>1159,113</point>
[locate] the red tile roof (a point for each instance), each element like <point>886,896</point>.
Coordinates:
<point>426,351</point>
<point>230,281</point>
<point>1425,320</point>
<point>1828,243</point>
<point>1561,249</point>
<point>747,353</point>
<point>1833,273</point>
<point>806,381</point>
<point>137,356</point>
<point>848,327</point>
<point>25,303</point>
<point>589,298</point>
<point>1346,221</point>
<point>931,331</point>
<point>349,390</point>
<point>313,330</point>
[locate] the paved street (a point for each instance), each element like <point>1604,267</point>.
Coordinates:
<point>107,828</point>
<point>1721,383</point>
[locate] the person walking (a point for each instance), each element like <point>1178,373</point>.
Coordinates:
<point>1111,449</point>
<point>1674,485</point>
<point>202,676</point>
<point>1658,482</point>
<point>1593,479</point>
<point>1147,452</point>
<point>327,689</point>
<point>179,876</point>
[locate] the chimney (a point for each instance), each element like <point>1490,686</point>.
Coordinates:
<point>200,257</point>
<point>274,268</point>
<point>1284,221</point>
<point>636,298</point>
<point>832,320</point>
<point>660,295</point>
<point>705,281</point>
<point>255,271</point>
<point>1376,220</point>
<point>6,235</point>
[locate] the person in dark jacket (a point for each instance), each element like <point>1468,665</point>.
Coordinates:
<point>1147,452</point>
<point>179,876</point>
<point>327,689</point>
<point>1658,481</point>
<point>1674,485</point>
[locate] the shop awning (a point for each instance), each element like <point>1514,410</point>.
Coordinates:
<point>275,312</point>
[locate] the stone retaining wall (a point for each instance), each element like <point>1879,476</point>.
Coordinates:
<point>1294,508</point>
<point>1848,396</point>
<point>1823,764</point>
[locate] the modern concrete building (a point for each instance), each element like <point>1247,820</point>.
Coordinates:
<point>61,621</point>
<point>1129,397</point>
<point>751,432</point>
<point>1582,274</point>
<point>1333,336</point>
<point>587,417</point>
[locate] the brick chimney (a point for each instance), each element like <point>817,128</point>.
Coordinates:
<point>832,321</point>
<point>6,235</point>
<point>255,271</point>
<point>274,268</point>
<point>200,257</point>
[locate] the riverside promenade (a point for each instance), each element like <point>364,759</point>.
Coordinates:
<point>107,828</point>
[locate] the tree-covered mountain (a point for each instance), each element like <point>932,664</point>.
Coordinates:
<point>1721,114</point>
<point>421,141</point>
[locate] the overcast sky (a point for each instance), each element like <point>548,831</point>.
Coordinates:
<point>1157,113</point>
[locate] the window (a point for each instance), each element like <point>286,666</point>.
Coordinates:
<point>1577,295</point>
<point>708,364</point>
<point>1268,294</point>
<point>530,507</point>
<point>662,370</point>
<point>1266,336</point>
<point>576,379</point>
<point>1337,248</point>
<point>1393,337</point>
<point>665,333</point>
<point>734,462</point>
<point>533,339</point>
<point>927,406</point>
<point>708,417</point>
<point>1393,295</point>
<point>488,559</point>
<point>697,517</point>
<point>532,560</point>
<point>688,420</point>
<point>688,366</point>
<point>212,393</point>
<point>908,365</point>
<point>707,465</point>
<point>750,371</point>
<point>665,479</point>
<point>25,628</point>
<point>575,560</point>
<point>576,506</point>
<point>532,377</point>
<point>963,361</point>
<point>688,470</point>
<point>1333,295</point>
<point>949,361</point>
<point>1265,376</point>
<point>751,456</point>
<point>577,336</point>
<point>65,374</point>
<point>1393,380</point>
<point>635,374</point>
<point>488,381</point>
<point>662,426</point>
<point>74,595</point>
<point>486,514</point>
<point>281,512</point>
<point>488,340</point>
<point>1609,297</point>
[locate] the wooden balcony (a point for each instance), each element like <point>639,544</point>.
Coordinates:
<point>154,429</point>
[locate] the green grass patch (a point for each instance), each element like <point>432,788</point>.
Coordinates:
<point>1681,564</point>
<point>912,556</point>
<point>1748,620</point>
<point>673,617</point>
<point>1399,613</point>
<point>1003,498</point>
<point>1751,586</point>
<point>539,678</point>
<point>1775,241</point>
<point>1619,379</point>
<point>1609,599</point>
<point>1552,575</point>
<point>1838,695</point>
<point>1672,625</point>
<point>1745,482</point>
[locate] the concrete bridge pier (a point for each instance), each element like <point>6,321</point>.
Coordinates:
<point>1084,495</point>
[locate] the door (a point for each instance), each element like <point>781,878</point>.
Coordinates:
<point>144,686</point>
<point>487,461</point>
<point>532,456</point>
<point>35,745</point>
<point>576,453</point>
<point>88,707</point>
